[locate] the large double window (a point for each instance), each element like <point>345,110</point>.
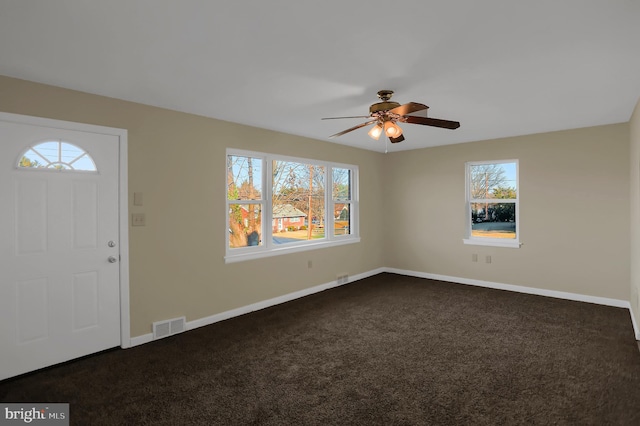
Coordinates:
<point>492,203</point>
<point>278,204</point>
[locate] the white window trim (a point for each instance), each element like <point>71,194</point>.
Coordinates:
<point>267,248</point>
<point>491,242</point>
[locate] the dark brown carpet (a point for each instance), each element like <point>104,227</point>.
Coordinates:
<point>387,350</point>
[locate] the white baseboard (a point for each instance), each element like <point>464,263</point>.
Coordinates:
<point>201,322</point>
<point>516,288</point>
<point>140,340</point>
<point>636,330</point>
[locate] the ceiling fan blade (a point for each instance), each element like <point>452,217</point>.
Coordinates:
<point>338,118</point>
<point>408,108</point>
<point>353,128</point>
<point>445,124</point>
<point>396,140</point>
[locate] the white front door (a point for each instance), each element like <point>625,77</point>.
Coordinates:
<point>59,246</point>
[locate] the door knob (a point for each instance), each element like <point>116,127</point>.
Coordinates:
<point>112,259</point>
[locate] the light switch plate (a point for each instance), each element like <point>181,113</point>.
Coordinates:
<point>137,198</point>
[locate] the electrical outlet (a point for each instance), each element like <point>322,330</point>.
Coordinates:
<point>488,259</point>
<point>137,219</point>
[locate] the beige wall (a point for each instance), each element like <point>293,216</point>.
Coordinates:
<point>178,162</point>
<point>574,208</point>
<point>634,125</point>
<point>574,212</point>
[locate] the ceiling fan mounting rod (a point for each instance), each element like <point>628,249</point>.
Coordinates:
<point>385,105</point>
<point>385,95</point>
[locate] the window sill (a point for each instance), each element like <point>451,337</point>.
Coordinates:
<point>493,242</point>
<point>264,252</point>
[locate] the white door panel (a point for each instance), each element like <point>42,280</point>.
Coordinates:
<point>59,294</point>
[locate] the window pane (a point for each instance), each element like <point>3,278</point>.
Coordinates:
<point>31,159</point>
<point>493,220</point>
<point>245,225</point>
<point>49,150</point>
<point>341,184</point>
<point>297,202</point>
<point>83,162</point>
<point>342,219</point>
<point>487,181</point>
<point>69,152</point>
<point>57,155</point>
<point>59,166</point>
<point>244,178</point>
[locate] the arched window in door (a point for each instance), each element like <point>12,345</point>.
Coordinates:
<point>56,155</point>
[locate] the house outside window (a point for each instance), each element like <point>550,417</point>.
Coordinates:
<point>492,214</point>
<point>290,194</point>
<point>286,217</point>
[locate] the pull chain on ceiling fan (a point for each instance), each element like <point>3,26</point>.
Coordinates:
<point>386,114</point>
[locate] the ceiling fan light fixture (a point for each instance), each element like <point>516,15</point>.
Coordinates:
<point>391,129</point>
<point>385,114</point>
<point>376,131</point>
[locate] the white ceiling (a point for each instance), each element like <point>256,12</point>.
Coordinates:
<point>501,68</point>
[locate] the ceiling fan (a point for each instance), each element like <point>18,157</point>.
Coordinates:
<point>386,114</point>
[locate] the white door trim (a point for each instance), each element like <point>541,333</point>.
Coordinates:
<point>123,199</point>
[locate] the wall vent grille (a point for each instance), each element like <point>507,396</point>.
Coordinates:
<point>168,327</point>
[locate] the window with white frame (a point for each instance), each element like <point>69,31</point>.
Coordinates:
<point>342,200</point>
<point>278,204</point>
<point>492,203</point>
<point>56,155</point>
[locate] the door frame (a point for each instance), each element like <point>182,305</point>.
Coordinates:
<point>123,201</point>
